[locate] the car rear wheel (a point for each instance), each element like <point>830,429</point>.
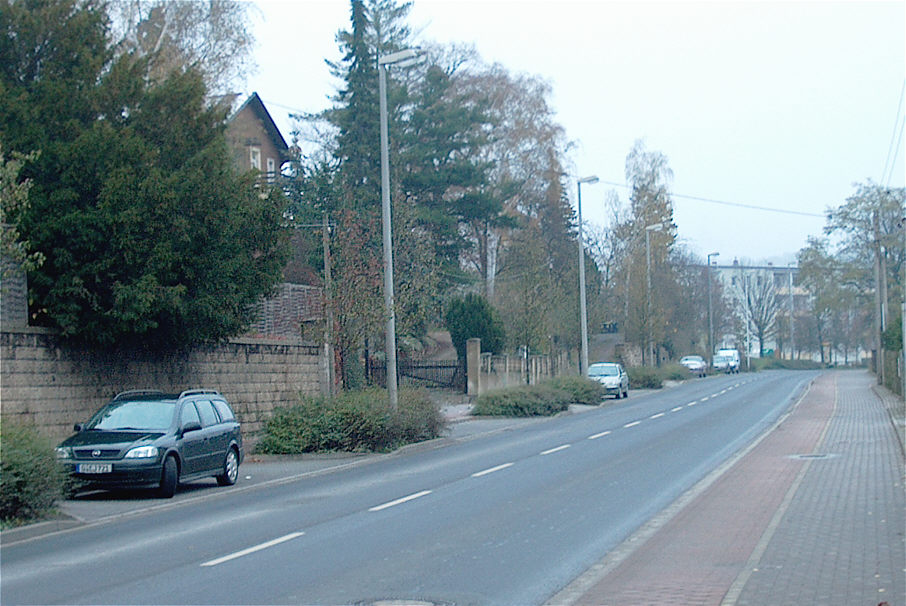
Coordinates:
<point>230,469</point>
<point>169,478</point>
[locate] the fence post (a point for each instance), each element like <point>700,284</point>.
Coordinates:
<point>473,366</point>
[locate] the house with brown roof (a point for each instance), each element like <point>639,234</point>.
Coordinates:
<point>255,141</point>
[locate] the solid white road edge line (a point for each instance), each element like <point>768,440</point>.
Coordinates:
<point>245,552</point>
<point>478,474</point>
<point>411,497</point>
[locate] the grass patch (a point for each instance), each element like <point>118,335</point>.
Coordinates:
<point>358,421</point>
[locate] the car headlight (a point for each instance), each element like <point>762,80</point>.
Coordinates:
<point>63,452</point>
<point>142,452</point>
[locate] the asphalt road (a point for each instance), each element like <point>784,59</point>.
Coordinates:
<point>508,518</point>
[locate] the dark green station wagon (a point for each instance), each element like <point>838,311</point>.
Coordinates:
<point>148,438</point>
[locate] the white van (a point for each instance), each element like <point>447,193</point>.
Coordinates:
<point>726,360</point>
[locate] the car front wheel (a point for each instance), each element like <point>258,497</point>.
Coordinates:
<point>169,478</point>
<point>230,469</point>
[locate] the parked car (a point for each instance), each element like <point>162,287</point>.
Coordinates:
<point>695,364</point>
<point>612,376</point>
<point>148,438</point>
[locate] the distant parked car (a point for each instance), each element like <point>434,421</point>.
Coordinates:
<point>612,377</point>
<point>695,364</point>
<point>149,438</point>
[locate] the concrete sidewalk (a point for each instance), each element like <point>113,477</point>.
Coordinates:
<point>813,513</point>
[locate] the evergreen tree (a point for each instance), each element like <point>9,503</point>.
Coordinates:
<point>150,236</point>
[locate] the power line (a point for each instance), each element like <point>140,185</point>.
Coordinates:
<point>784,211</point>
<point>888,163</point>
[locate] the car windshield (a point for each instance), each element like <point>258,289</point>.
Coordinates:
<point>608,370</point>
<point>142,415</point>
<point>691,359</point>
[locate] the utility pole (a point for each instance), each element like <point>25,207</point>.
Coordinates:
<point>328,307</point>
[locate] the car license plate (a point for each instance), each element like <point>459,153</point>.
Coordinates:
<point>95,467</point>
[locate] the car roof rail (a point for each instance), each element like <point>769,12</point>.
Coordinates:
<point>198,392</point>
<point>137,392</point>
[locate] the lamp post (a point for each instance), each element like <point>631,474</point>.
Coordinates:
<point>402,58</point>
<point>792,310</point>
<point>648,230</point>
<point>710,314</point>
<point>583,315</point>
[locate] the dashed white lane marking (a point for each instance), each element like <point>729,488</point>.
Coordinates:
<point>677,409</point>
<point>557,449</point>
<point>691,403</point>
<point>246,552</point>
<point>633,424</point>
<point>599,435</point>
<point>478,474</point>
<point>657,416</point>
<point>400,501</point>
<point>705,399</point>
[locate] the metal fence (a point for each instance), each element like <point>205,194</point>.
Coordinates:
<point>441,374</point>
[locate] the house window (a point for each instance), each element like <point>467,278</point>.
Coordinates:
<point>271,169</point>
<point>255,157</point>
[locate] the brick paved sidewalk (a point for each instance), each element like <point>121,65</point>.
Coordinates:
<point>842,539</point>
<point>786,524</point>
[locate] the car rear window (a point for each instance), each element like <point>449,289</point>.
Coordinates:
<point>206,410</point>
<point>223,409</point>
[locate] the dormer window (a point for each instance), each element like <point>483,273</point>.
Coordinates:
<point>255,157</point>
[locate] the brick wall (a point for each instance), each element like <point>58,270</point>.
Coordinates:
<point>51,386</point>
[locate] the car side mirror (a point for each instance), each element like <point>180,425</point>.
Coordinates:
<point>194,426</point>
<point>78,427</point>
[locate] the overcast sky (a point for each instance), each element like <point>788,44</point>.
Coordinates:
<point>779,105</point>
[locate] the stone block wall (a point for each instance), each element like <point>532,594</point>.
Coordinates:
<point>51,386</point>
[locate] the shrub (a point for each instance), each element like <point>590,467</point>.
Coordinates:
<point>473,317</point>
<point>523,401</point>
<point>675,372</point>
<point>359,421</point>
<point>759,364</point>
<point>31,480</point>
<point>581,389</point>
<point>645,377</point>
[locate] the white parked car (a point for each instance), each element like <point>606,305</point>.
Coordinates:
<point>612,377</point>
<point>695,364</point>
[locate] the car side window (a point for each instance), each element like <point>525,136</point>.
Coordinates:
<point>188,415</point>
<point>206,410</point>
<point>223,409</point>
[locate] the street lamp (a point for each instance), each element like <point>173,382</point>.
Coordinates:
<point>403,58</point>
<point>648,230</point>
<point>583,315</point>
<point>792,310</point>
<point>710,313</point>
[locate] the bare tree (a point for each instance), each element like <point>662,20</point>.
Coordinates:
<point>213,36</point>
<point>757,295</point>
